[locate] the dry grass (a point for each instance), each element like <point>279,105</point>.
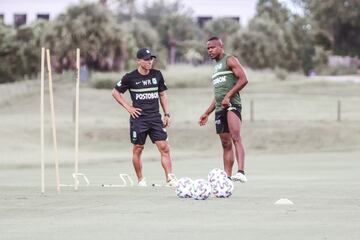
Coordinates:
<point>295,149</point>
<point>289,115</point>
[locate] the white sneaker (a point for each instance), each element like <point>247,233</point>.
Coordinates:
<point>172,181</point>
<point>142,182</point>
<point>239,177</point>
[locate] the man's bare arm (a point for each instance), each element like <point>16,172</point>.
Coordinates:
<point>134,112</point>
<point>165,106</point>
<point>204,118</point>
<point>241,82</point>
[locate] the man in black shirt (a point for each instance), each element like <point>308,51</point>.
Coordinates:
<point>146,86</point>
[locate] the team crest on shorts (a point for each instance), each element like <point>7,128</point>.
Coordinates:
<point>134,135</point>
<point>154,81</point>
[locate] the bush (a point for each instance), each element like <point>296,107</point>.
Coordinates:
<point>221,27</point>
<point>188,76</point>
<point>19,55</point>
<point>176,76</point>
<point>338,70</point>
<point>266,44</point>
<point>103,84</point>
<point>101,80</point>
<point>281,73</point>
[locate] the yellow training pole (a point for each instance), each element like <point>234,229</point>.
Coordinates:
<point>42,74</point>
<point>53,122</point>
<point>76,183</point>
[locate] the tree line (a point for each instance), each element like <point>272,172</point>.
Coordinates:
<point>275,37</point>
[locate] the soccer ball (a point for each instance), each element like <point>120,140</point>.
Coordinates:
<point>222,188</point>
<point>201,189</point>
<point>216,174</point>
<point>183,187</point>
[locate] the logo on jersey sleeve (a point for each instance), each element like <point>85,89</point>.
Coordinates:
<point>118,84</point>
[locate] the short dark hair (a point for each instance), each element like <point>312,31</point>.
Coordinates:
<point>214,38</point>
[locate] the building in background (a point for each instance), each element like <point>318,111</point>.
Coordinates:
<point>205,10</point>
<point>20,12</point>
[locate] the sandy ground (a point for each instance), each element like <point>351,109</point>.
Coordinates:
<point>295,149</point>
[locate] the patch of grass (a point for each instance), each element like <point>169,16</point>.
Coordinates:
<point>177,76</point>
<point>281,73</point>
<point>189,76</point>
<point>101,80</point>
<point>337,71</point>
<point>103,83</point>
<point>269,75</point>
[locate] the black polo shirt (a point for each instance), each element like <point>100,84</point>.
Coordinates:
<point>144,90</point>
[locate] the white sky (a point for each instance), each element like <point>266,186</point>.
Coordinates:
<point>32,8</point>
<point>245,9</point>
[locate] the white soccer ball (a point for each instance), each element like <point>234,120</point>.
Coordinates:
<point>201,189</point>
<point>183,187</point>
<point>216,174</point>
<point>222,188</point>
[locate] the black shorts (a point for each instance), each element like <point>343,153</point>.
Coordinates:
<point>140,128</point>
<point>221,122</point>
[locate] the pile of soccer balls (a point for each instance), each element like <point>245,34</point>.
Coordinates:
<point>217,184</point>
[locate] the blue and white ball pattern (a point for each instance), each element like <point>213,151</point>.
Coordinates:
<point>216,174</point>
<point>201,189</point>
<point>184,187</point>
<point>222,188</point>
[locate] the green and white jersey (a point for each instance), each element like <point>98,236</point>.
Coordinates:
<point>224,80</point>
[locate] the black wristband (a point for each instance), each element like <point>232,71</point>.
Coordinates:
<point>167,114</point>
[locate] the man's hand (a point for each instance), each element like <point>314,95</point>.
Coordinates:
<point>134,112</point>
<point>166,121</point>
<point>203,119</point>
<point>225,103</point>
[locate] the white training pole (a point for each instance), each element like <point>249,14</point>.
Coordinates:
<point>53,122</point>
<point>42,73</point>
<point>76,183</point>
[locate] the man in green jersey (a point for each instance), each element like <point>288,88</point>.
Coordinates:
<point>228,79</point>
